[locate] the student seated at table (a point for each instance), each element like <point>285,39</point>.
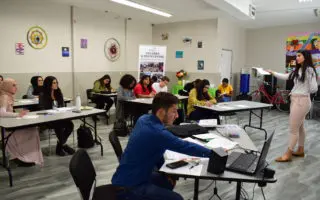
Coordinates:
<point>103,85</point>
<point>200,96</point>
<point>188,87</point>
<point>51,98</point>
<point>144,88</point>
<point>125,92</point>
<point>225,91</point>
<point>24,144</point>
<point>144,152</point>
<point>162,85</point>
<point>35,88</point>
<point>154,79</point>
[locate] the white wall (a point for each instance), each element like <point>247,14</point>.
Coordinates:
<point>204,30</point>
<point>16,17</point>
<point>266,47</point>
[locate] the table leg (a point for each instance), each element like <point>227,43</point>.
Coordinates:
<point>96,137</point>
<point>238,192</point>
<point>4,158</point>
<point>196,189</point>
<point>260,124</point>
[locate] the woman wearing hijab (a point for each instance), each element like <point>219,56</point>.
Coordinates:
<point>24,144</point>
<point>35,88</point>
<point>52,98</point>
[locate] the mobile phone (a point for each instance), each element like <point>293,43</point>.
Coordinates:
<point>177,164</point>
<point>42,113</point>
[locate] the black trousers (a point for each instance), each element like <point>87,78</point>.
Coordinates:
<point>63,130</point>
<point>103,102</point>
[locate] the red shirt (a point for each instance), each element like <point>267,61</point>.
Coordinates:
<point>138,90</point>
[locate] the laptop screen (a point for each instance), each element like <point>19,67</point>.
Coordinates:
<point>264,152</point>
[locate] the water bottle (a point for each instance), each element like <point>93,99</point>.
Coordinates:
<point>78,103</point>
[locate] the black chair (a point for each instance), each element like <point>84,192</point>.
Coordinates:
<point>114,140</point>
<point>315,99</point>
<point>24,96</point>
<point>84,176</point>
<point>89,96</point>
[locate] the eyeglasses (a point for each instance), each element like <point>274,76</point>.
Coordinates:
<point>54,82</point>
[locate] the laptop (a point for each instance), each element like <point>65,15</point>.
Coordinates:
<point>187,130</point>
<point>249,163</point>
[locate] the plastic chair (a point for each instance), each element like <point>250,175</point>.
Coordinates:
<point>84,176</point>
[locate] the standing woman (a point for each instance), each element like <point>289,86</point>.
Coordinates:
<point>24,144</point>
<point>103,85</point>
<point>52,98</point>
<point>200,96</point>
<point>305,83</point>
<point>35,88</point>
<point>144,88</point>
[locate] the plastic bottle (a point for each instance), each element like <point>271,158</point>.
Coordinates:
<point>78,103</point>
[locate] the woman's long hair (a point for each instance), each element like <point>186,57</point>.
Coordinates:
<point>200,94</point>
<point>126,81</point>
<point>148,86</point>
<point>36,88</point>
<point>108,85</point>
<point>47,88</point>
<point>304,66</point>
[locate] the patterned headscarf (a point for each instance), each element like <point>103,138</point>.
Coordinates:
<point>6,96</point>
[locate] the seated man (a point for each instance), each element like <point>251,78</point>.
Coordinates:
<point>144,152</point>
<point>224,92</point>
<point>162,85</point>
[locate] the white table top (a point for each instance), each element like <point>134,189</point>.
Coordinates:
<point>106,95</point>
<point>244,141</point>
<point>236,106</point>
<point>148,101</point>
<point>33,118</point>
<point>30,102</point>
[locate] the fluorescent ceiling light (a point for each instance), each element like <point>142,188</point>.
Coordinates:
<point>142,7</point>
<point>304,1</point>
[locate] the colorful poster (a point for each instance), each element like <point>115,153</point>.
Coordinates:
<point>84,43</point>
<point>19,48</point>
<point>200,64</point>
<point>65,51</point>
<point>179,54</point>
<point>303,41</point>
<point>152,60</point>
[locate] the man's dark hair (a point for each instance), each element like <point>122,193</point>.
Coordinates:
<point>127,80</point>
<point>163,100</point>
<point>225,80</point>
<point>165,78</point>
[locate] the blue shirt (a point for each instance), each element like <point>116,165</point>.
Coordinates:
<point>147,143</point>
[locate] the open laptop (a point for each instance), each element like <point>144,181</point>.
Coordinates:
<point>249,163</point>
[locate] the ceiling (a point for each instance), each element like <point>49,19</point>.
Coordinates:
<point>268,12</point>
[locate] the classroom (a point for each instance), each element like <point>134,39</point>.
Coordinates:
<point>150,99</point>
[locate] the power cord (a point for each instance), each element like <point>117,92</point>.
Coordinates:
<point>206,187</point>
<point>253,190</point>
<point>215,191</point>
<point>263,193</point>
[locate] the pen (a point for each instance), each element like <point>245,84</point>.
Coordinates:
<point>194,165</point>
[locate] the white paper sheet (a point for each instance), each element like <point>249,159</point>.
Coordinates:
<point>208,122</point>
<point>221,142</point>
<point>261,71</point>
<point>187,170</point>
<point>172,155</point>
<point>29,117</point>
<point>206,136</point>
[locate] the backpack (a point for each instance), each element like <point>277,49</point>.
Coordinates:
<point>120,128</point>
<point>85,138</point>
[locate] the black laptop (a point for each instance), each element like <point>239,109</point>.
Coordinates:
<point>249,163</point>
<point>187,130</point>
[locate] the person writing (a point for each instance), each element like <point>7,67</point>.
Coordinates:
<point>144,88</point>
<point>162,85</point>
<point>200,96</point>
<point>144,152</point>
<point>305,83</point>
<point>103,85</point>
<point>225,91</point>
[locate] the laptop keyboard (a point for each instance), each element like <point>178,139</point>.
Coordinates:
<point>243,162</point>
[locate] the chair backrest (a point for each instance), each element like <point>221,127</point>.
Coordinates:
<point>114,140</point>
<point>83,173</point>
<point>89,94</point>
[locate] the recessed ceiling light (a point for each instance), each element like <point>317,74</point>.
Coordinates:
<point>304,1</point>
<point>142,7</point>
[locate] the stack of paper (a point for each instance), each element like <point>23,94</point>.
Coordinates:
<point>208,123</point>
<point>261,71</point>
<point>221,142</point>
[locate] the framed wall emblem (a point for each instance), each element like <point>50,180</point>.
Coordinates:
<point>37,37</point>
<point>112,49</point>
